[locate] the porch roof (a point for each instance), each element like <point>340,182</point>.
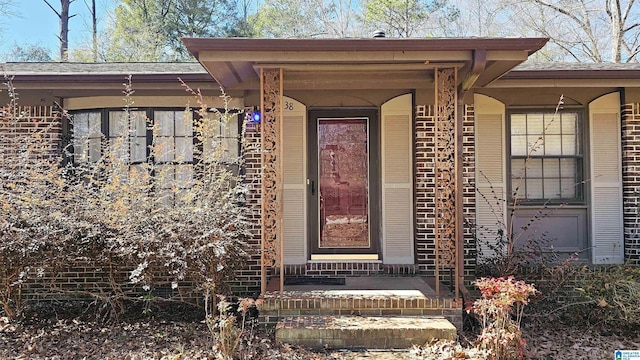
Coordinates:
<point>360,63</point>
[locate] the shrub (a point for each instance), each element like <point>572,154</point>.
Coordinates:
<point>32,217</point>
<point>609,296</point>
<point>500,310</point>
<point>119,217</point>
<point>228,329</point>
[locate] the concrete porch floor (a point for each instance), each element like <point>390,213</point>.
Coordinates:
<point>413,286</point>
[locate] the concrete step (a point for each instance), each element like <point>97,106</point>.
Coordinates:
<point>349,332</point>
<point>402,303</point>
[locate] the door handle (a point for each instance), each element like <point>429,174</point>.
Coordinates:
<point>312,186</point>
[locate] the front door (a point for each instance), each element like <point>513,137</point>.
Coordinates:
<point>342,185</point>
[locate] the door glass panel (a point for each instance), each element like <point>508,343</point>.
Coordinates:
<point>343,162</point>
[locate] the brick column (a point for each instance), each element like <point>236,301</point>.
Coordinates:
<point>248,277</point>
<point>469,193</point>
<point>425,183</point>
<point>631,181</point>
<point>424,151</point>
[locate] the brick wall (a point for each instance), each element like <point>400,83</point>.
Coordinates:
<point>425,191</point>
<point>248,279</point>
<point>425,183</point>
<point>469,192</point>
<point>30,120</point>
<point>631,181</point>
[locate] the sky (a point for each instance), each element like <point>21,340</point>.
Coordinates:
<point>35,23</point>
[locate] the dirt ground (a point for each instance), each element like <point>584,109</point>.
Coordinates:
<point>74,339</point>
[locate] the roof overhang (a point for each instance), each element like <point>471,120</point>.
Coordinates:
<point>101,79</point>
<point>571,75</point>
<point>359,63</point>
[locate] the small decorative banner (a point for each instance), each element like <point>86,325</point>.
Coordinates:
<point>627,355</point>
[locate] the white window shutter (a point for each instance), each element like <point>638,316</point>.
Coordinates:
<point>294,182</point>
<point>606,180</point>
<point>491,210</point>
<point>397,181</point>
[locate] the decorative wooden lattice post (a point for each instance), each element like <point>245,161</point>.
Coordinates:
<point>272,205</point>
<point>448,218</point>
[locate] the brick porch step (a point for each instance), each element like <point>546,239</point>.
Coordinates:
<point>362,332</point>
<point>404,303</point>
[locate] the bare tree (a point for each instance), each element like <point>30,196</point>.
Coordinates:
<point>64,17</point>
<point>94,29</point>
<point>487,18</point>
<point>584,30</point>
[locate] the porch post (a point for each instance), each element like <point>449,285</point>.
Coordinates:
<point>271,154</point>
<point>448,189</point>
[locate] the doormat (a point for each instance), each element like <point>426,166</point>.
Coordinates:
<point>308,280</point>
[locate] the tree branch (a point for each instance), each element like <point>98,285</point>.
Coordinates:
<point>52,8</point>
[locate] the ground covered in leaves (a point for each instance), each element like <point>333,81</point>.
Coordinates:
<point>82,339</point>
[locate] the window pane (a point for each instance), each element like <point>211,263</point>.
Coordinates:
<point>117,124</point>
<point>519,145</point>
<point>231,148</point>
<point>534,168</point>
<point>517,168</point>
<point>551,168</point>
<point>138,149</point>
<point>553,145</point>
<point>552,124</point>
<point>535,124</point>
<point>81,125</point>
<point>163,149</point>
<point>95,124</point>
<point>551,188</point>
<point>535,145</point>
<point>568,188</point>
<point>534,189</point>
<point>568,168</point>
<point>94,149</point>
<point>517,188</point>
<point>518,124</point>
<point>183,124</point>
<point>184,149</point>
<point>138,124</point>
<point>120,147</point>
<point>164,122</point>
<point>569,123</point>
<point>569,145</point>
<point>165,174</point>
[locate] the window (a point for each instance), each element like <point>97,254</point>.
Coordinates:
<point>128,137</point>
<point>172,137</point>
<point>87,137</point>
<point>174,149</point>
<point>220,139</point>
<point>546,156</point>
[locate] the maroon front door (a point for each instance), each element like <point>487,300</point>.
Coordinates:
<point>343,166</point>
<point>340,177</point>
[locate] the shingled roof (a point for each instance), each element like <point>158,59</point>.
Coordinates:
<point>104,72</point>
<point>574,70</point>
<point>71,68</point>
<point>193,71</point>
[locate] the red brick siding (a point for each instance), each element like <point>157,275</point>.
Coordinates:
<point>469,192</point>
<point>631,181</point>
<point>424,183</point>
<point>36,119</point>
<point>425,191</point>
<point>248,279</point>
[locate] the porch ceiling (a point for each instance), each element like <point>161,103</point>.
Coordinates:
<point>359,63</point>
